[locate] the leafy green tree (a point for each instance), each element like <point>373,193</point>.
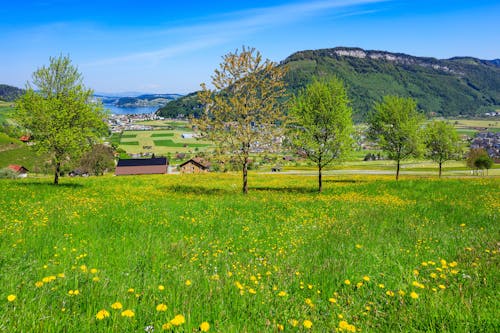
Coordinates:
<point>243,112</point>
<point>395,125</point>
<point>97,160</point>
<point>321,123</point>
<point>442,142</point>
<point>60,114</point>
<point>478,159</point>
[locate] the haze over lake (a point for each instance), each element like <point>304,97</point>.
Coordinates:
<point>122,110</point>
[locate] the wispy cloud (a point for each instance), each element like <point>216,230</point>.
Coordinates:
<point>235,25</point>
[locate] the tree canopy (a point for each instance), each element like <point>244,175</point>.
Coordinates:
<point>242,114</point>
<point>321,123</point>
<point>59,112</point>
<point>442,143</point>
<point>395,126</point>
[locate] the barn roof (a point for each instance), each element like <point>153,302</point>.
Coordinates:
<point>17,168</point>
<point>142,161</point>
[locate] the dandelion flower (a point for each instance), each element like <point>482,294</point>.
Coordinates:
<point>131,290</point>
<point>347,282</point>
<point>93,270</point>
<point>389,293</point>
<point>188,283</point>
<point>161,287</point>
<point>280,327</point>
<point>38,284</point>
<point>294,322</point>
<point>166,326</point>
<point>128,313</point>
<point>332,300</point>
<point>307,324</point>
<point>178,320</point>
<point>413,295</point>
<point>442,287</point>
<point>161,307</point>
<point>282,293</point>
<point>204,326</point>
<point>366,278</point>
<point>11,298</point>
<point>102,314</point>
<point>116,306</point>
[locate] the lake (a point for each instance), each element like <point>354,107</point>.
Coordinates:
<point>119,110</point>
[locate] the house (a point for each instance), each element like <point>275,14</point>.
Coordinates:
<point>21,171</point>
<point>194,165</point>
<point>25,138</point>
<point>187,135</point>
<point>141,166</point>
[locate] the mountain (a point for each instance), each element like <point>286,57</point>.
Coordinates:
<point>9,93</point>
<point>139,101</point>
<point>450,87</point>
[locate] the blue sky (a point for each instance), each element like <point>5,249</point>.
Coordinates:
<point>173,46</point>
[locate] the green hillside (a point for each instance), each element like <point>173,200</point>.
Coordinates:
<point>9,93</point>
<point>457,86</point>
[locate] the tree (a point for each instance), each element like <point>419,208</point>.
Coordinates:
<point>59,113</point>
<point>395,124</point>
<point>243,112</point>
<point>442,143</point>
<point>478,159</point>
<point>321,123</point>
<point>98,159</point>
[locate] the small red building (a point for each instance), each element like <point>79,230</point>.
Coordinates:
<point>21,171</point>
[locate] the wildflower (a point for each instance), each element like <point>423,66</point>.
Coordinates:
<point>340,316</point>
<point>366,278</point>
<point>83,268</point>
<point>332,300</point>
<point>166,326</point>
<point>413,295</point>
<point>252,291</point>
<point>359,246</point>
<point>359,285</point>
<point>204,326</point>
<point>389,293</point>
<point>401,292</point>
<point>344,325</point>
<point>433,275</point>
<point>188,283</point>
<point>38,284</point>
<point>131,290</point>
<point>95,279</point>
<point>178,320</point>
<point>280,327</point>
<point>282,293</point>
<point>11,298</point>
<point>294,322</point>
<point>93,270</point>
<point>462,225</point>
<point>454,271</point>
<point>453,264</point>
<point>102,314</point>
<point>161,287</point>
<point>442,287</point>
<point>309,302</point>
<point>416,272</point>
<point>116,306</point>
<point>161,307</point>
<point>381,285</point>
<point>307,324</point>
<point>347,282</point>
<point>417,285</point>
<point>128,313</point>
<point>238,285</point>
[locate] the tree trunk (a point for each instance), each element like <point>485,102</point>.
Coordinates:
<point>57,172</point>
<point>397,171</point>
<point>440,169</point>
<point>245,176</point>
<point>320,181</point>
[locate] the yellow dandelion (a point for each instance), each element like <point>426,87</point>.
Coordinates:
<point>161,287</point>
<point>454,271</point>
<point>433,275</point>
<point>347,282</point>
<point>252,291</point>
<point>389,293</point>
<point>366,278</point>
<point>307,324</point>
<point>11,298</point>
<point>204,326</point>
<point>38,284</point>
<point>161,307</point>
<point>131,290</point>
<point>413,295</point>
<point>128,313</point>
<point>442,287</point>
<point>280,327</point>
<point>93,270</point>
<point>359,285</point>
<point>188,283</point>
<point>83,268</point>
<point>294,322</point>
<point>166,326</point>
<point>381,285</point>
<point>95,279</point>
<point>401,292</point>
<point>116,306</point>
<point>453,264</point>
<point>332,300</point>
<point>178,320</point>
<point>282,293</point>
<point>102,314</point>
<point>359,246</point>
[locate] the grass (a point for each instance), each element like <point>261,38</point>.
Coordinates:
<point>420,254</point>
<point>129,143</point>
<point>170,143</point>
<point>156,135</point>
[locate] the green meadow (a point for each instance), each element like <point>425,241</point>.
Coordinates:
<point>184,253</point>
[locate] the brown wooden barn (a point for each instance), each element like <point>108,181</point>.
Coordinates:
<point>194,165</point>
<point>141,166</point>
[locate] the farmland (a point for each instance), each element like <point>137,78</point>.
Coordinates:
<point>174,252</point>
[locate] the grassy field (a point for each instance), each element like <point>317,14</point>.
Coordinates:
<point>471,127</point>
<point>170,253</point>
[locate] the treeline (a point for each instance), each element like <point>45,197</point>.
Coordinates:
<point>9,93</point>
